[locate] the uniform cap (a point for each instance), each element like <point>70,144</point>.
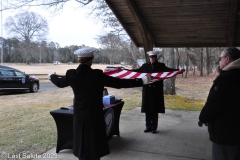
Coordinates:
<point>152,53</point>
<point>85,52</point>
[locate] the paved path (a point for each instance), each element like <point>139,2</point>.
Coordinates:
<point>178,138</point>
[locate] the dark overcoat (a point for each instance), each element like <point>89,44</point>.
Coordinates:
<point>152,94</point>
<point>89,131</point>
<point>222,108</point>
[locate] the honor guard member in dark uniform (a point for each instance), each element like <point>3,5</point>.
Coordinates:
<point>152,94</point>
<point>89,130</point>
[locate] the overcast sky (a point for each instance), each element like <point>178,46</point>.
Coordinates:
<point>70,27</point>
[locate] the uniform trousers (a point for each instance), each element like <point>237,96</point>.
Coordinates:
<point>224,152</point>
<point>151,121</point>
<point>83,155</point>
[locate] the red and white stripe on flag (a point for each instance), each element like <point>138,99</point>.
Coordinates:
<point>119,73</point>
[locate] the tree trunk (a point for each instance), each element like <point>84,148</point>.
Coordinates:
<point>169,84</point>
<point>178,58</point>
<point>208,67</point>
<point>194,70</point>
<point>201,62</point>
<point>187,64</point>
<point>194,64</point>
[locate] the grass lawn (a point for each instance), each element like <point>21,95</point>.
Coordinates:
<point>26,124</point>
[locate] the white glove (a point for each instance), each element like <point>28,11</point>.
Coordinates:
<point>49,76</point>
<point>146,80</point>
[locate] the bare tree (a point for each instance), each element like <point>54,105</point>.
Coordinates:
<point>55,4</point>
<point>169,84</point>
<point>27,27</point>
<point>208,61</point>
<point>178,58</point>
<point>187,62</point>
<point>52,52</point>
<point>130,53</point>
<point>101,11</point>
<point>110,44</point>
<point>201,62</point>
<point>193,59</point>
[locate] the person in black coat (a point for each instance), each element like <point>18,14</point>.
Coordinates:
<point>89,130</point>
<point>152,94</point>
<point>222,108</point>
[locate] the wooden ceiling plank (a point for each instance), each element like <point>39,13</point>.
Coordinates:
<point>232,20</point>
<point>195,45</point>
<point>167,3</point>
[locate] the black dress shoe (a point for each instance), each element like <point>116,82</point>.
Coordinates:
<point>147,130</point>
<point>154,132</point>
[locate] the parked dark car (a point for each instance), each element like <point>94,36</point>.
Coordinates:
<point>12,79</point>
<point>112,68</point>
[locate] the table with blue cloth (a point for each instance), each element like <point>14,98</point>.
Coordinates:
<point>64,121</point>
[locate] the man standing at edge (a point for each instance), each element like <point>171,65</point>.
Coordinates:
<point>152,94</point>
<point>221,110</point>
<point>89,130</point>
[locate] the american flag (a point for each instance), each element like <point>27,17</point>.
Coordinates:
<point>126,74</point>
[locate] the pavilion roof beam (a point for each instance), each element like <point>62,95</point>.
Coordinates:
<point>147,38</point>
